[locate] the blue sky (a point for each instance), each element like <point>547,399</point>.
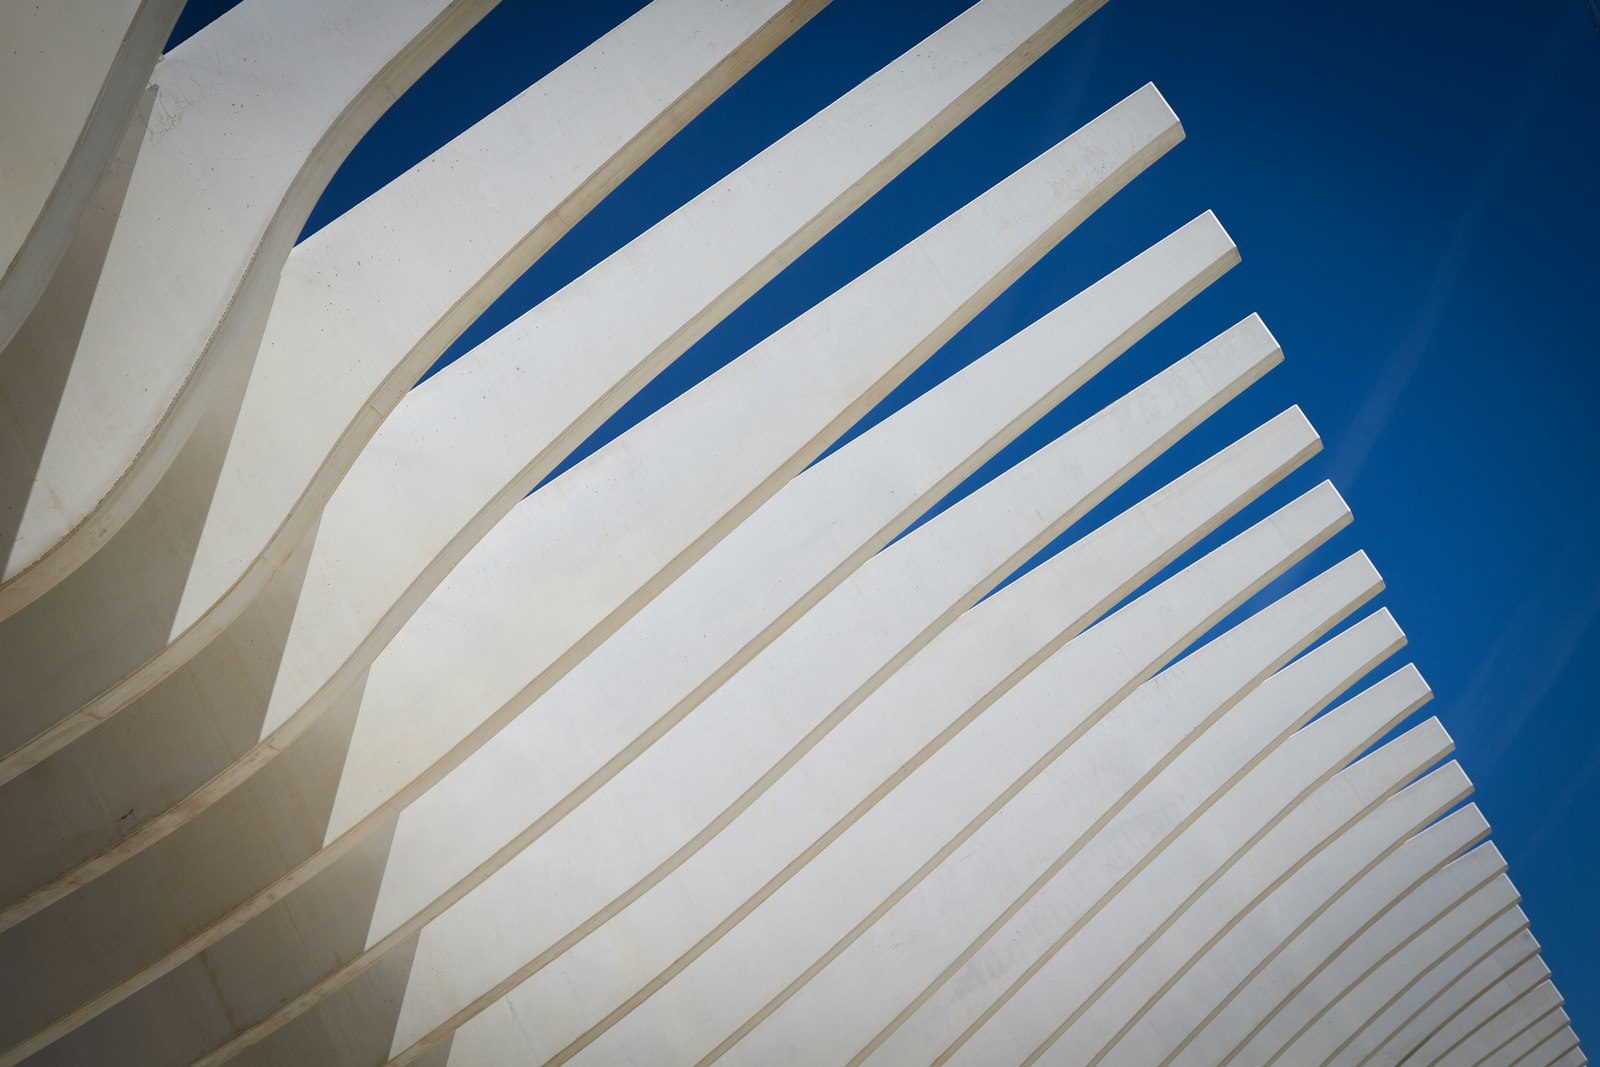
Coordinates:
<point>1413,189</point>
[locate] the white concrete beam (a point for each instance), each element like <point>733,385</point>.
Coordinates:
<point>865,736</point>
<point>1183,792</point>
<point>1515,1019</point>
<point>1501,992</point>
<point>74,74</point>
<point>619,527</point>
<point>1030,1019</point>
<point>1537,1042</point>
<point>1549,1050</point>
<point>707,1002</point>
<point>595,724</point>
<point>1435,984</point>
<point>1245,1026</point>
<point>96,417</point>
<point>1297,792</point>
<point>1042,827</point>
<point>666,483</point>
<point>1347,1022</point>
<point>364,306</point>
<point>1229,908</point>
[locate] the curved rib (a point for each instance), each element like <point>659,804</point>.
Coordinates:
<point>1223,756</point>
<point>1336,936</point>
<point>1343,1028</point>
<point>1506,1025</point>
<point>1044,825</point>
<point>1441,1009</point>
<point>1153,971</point>
<point>475,438</point>
<point>1033,940</point>
<point>69,88</point>
<point>1550,1028</point>
<point>108,408</point>
<point>608,536</point>
<point>1391,944</point>
<point>617,489</point>
<point>555,759</point>
<point>1549,1050</point>
<point>363,307</point>
<point>1277,986</point>
<point>1488,1005</point>
<point>804,541</point>
<point>1228,856</point>
<point>1433,984</point>
<point>564,737</point>
<point>704,1005</point>
<point>873,736</point>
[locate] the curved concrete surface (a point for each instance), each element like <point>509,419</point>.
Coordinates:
<point>363,308</point>
<point>72,79</point>
<point>496,404</point>
<point>328,739</point>
<point>96,420</point>
<point>815,530</point>
<point>755,423</point>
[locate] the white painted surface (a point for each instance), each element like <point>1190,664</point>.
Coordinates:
<point>250,119</point>
<point>71,78</point>
<point>364,306</point>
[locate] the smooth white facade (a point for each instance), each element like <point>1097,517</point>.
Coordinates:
<point>325,741</point>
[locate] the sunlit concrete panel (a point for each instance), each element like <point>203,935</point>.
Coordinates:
<point>572,361</point>
<point>364,306</point>
<point>1463,990</point>
<point>708,1003</point>
<point>868,626</point>
<point>251,116</point>
<point>1353,973</point>
<point>1435,981</point>
<point>612,537</point>
<point>1251,900</point>
<point>1198,778</point>
<point>1532,1042</point>
<point>1031,1019</point>
<point>1552,1049</point>
<point>1528,1011</point>
<point>895,602</point>
<point>867,983</point>
<point>1350,1022</point>
<point>643,680</point>
<point>1272,917</point>
<point>337,730</point>
<point>73,76</point>
<point>879,730</point>
<point>804,398</point>
<point>1358,915</point>
<point>1502,1000</point>
<point>815,530</point>
<point>1294,777</point>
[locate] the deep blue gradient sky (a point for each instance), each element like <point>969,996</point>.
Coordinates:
<point>1413,190</point>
